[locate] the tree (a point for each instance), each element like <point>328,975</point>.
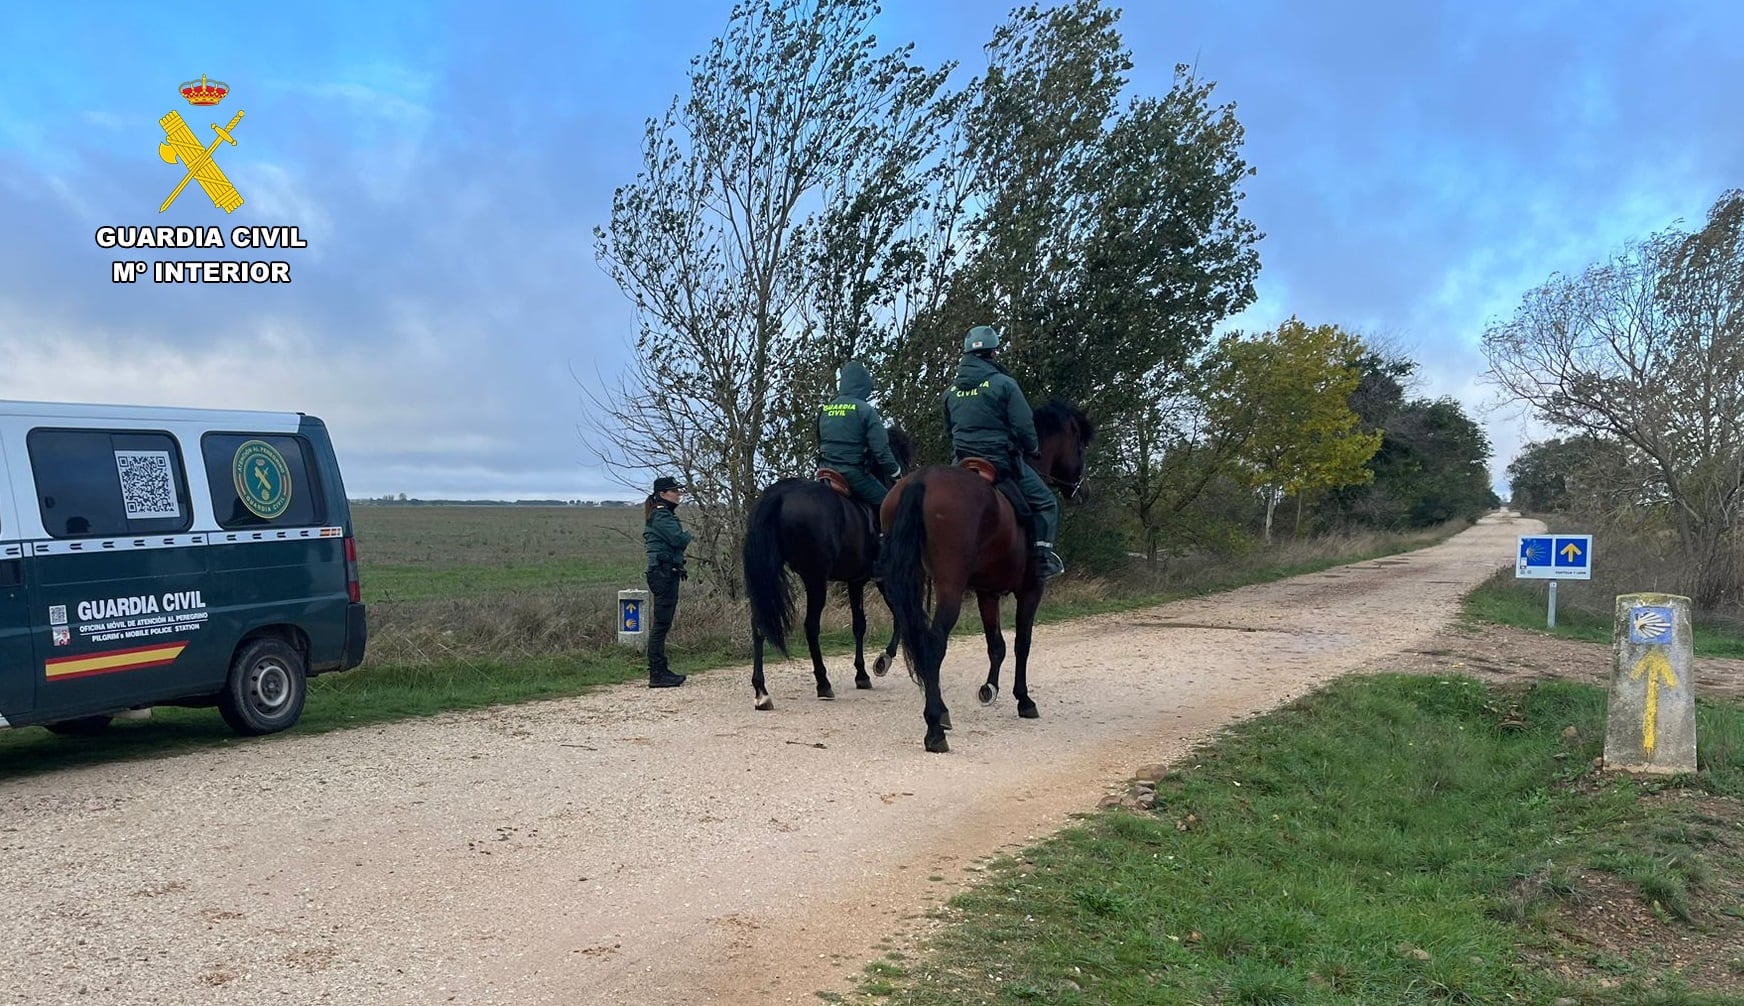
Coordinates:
<point>1647,350</point>
<point>1432,464</point>
<point>1437,464</point>
<point>1565,474</point>
<point>791,113</point>
<point>1287,392</point>
<point>1105,244</point>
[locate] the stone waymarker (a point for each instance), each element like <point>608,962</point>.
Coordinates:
<point>633,612</point>
<point>1652,715</point>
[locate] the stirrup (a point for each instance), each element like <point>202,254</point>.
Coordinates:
<point>1048,561</point>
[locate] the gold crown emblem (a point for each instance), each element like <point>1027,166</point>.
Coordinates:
<point>200,92</point>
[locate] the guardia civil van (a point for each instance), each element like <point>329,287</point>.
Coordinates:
<point>156,556</point>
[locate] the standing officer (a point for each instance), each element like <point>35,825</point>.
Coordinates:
<point>665,539</point>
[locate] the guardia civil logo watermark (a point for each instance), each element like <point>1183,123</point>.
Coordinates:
<point>199,164</point>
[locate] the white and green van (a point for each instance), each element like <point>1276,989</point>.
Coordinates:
<point>155,556</point>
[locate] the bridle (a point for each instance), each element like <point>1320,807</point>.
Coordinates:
<point>1070,489</point>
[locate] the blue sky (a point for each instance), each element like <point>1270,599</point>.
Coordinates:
<point>1420,167</point>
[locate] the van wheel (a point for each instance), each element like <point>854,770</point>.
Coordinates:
<point>266,688</point>
<point>84,726</point>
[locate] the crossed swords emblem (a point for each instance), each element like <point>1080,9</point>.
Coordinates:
<point>180,145</point>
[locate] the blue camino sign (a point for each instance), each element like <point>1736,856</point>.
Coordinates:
<point>1554,557</point>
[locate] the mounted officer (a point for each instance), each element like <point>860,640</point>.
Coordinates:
<point>852,440</point>
<point>988,417</point>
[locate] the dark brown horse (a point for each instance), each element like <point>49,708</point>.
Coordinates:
<point>952,531</point>
<point>803,527</point>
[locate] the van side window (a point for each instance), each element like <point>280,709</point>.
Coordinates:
<point>108,483</point>
<point>262,480</point>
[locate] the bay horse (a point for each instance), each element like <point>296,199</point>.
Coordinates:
<point>951,531</point>
<point>823,536</point>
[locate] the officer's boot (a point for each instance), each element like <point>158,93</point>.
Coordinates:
<point>664,679</point>
<point>1051,566</point>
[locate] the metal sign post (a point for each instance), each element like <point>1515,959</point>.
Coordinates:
<point>1554,557</point>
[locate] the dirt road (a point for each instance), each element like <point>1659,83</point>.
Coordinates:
<point>647,847</point>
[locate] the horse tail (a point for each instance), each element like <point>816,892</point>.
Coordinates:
<point>767,584</point>
<point>905,579</point>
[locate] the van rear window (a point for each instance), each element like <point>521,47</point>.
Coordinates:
<point>108,483</point>
<point>262,480</point>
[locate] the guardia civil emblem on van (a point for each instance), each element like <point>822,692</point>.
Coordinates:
<point>263,480</point>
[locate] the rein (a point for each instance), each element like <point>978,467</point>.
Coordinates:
<point>1070,489</point>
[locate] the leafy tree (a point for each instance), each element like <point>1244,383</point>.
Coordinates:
<point>1287,392</point>
<point>1437,463</point>
<point>1432,464</point>
<point>1539,476</point>
<point>1378,399</point>
<point>1582,474</point>
<point>1647,350</point>
<point>792,115</point>
<point>1106,244</point>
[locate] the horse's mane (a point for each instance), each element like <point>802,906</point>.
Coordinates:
<point>901,445</point>
<point>1057,414</point>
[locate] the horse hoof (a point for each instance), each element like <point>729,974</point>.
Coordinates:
<point>764,703</point>
<point>988,695</point>
<point>881,666</point>
<point>827,694</point>
<point>936,743</point>
<point>1028,710</point>
<point>863,683</point>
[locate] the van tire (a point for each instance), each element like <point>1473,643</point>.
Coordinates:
<point>266,688</point>
<point>83,726</point>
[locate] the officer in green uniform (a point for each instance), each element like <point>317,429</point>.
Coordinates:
<point>988,417</point>
<point>852,439</point>
<point>665,540</point>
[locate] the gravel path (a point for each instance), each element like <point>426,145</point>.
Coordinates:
<point>646,847</point>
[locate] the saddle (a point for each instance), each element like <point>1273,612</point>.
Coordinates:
<point>832,478</point>
<point>983,468</point>
<point>1007,487</point>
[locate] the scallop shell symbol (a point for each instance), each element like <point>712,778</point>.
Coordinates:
<point>1650,623</point>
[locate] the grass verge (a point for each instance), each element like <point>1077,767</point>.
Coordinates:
<point>1503,600</point>
<point>1386,840</point>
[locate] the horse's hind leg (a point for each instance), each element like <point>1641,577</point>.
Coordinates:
<point>815,594</point>
<point>881,666</point>
<point>995,646</point>
<point>857,605</point>
<point>938,717</point>
<point>1029,598</point>
<point>760,694</point>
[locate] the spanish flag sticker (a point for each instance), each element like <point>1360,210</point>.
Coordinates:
<point>135,659</point>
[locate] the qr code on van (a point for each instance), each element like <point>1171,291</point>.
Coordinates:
<point>148,489</point>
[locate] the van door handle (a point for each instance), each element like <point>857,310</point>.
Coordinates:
<point>11,572</point>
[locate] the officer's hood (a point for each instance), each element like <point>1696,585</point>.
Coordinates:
<point>856,381</point>
<point>974,369</point>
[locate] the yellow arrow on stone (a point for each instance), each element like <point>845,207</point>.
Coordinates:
<point>1571,551</point>
<point>1657,668</point>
